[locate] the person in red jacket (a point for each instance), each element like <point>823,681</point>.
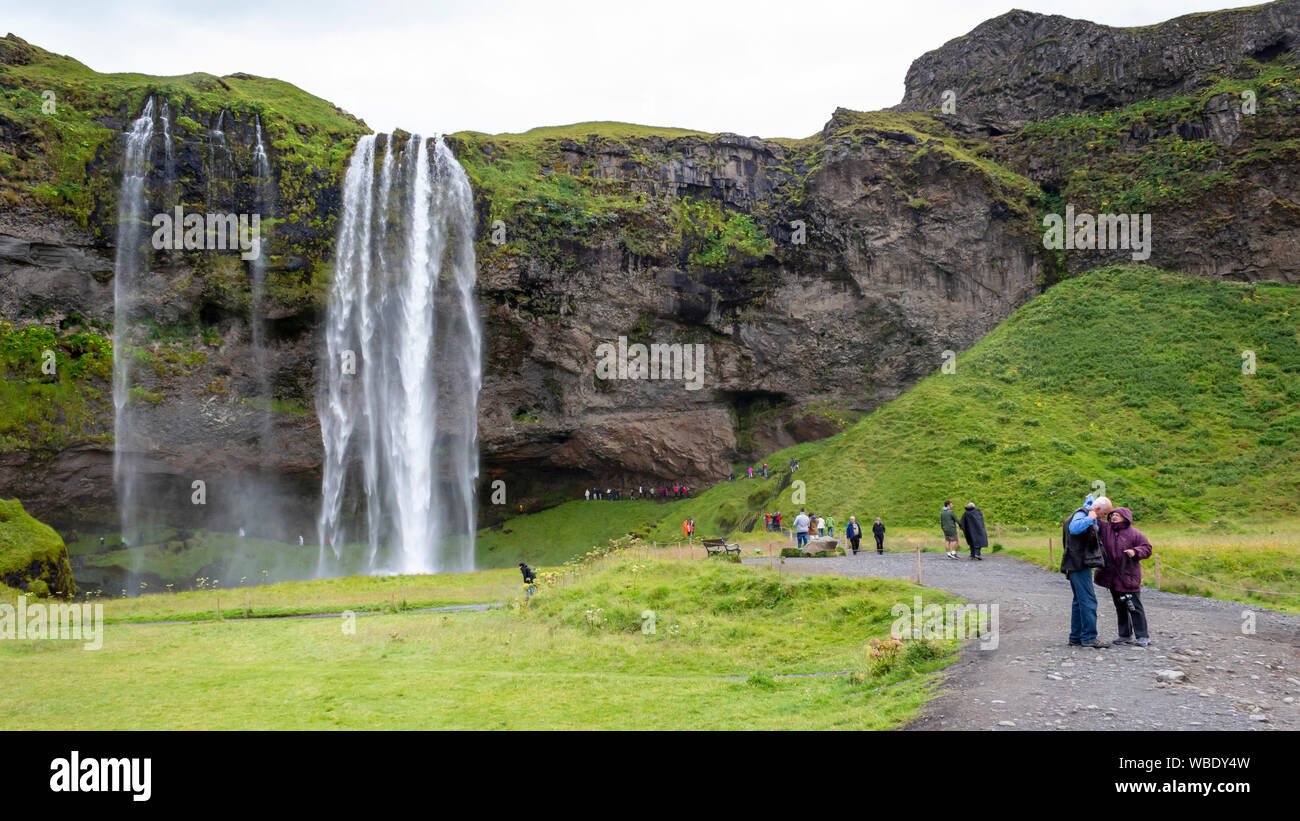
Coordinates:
<point>1125,547</point>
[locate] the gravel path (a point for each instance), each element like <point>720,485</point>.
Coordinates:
<point>1034,681</point>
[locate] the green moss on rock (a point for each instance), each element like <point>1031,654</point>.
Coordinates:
<point>32,556</point>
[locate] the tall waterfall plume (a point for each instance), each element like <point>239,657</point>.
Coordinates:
<point>262,196</point>
<point>398,405</point>
<point>131,256</point>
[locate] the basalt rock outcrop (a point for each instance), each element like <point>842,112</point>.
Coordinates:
<point>1022,66</point>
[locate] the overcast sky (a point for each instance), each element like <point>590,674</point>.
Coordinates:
<point>772,69</point>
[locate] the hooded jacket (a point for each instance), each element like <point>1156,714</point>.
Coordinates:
<point>1121,574</point>
<point>972,524</point>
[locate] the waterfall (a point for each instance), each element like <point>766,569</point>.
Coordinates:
<point>131,253</point>
<point>215,138</point>
<point>261,204</point>
<point>400,382</point>
<point>170,163</point>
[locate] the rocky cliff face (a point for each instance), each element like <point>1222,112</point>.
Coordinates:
<point>1023,67</point>
<point>908,249</point>
<point>822,276</point>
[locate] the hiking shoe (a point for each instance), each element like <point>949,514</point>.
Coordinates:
<point>1122,640</point>
<point>1098,643</point>
<point>1142,642</point>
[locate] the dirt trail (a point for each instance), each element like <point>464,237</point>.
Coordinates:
<point>1033,680</point>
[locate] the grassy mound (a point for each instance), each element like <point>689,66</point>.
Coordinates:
<point>32,556</point>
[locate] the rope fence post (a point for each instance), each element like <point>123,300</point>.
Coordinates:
<point>1156,556</point>
<point>1051,560</point>
<point>918,564</point>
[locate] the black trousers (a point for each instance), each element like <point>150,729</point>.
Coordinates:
<point>1132,623</point>
<point>855,540</point>
<point>880,544</point>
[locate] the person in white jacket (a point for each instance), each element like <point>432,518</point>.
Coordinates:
<point>801,528</point>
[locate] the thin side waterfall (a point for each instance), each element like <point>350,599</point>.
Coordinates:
<point>170,161</point>
<point>399,386</point>
<point>217,138</point>
<point>261,203</point>
<point>131,254</point>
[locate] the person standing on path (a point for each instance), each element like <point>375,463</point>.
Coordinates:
<point>853,531</point>
<point>878,530</point>
<point>830,526</point>
<point>1125,547</point>
<point>801,528</point>
<point>977,536</point>
<point>1082,551</point>
<point>948,521</point>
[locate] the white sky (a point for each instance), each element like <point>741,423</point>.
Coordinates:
<point>773,69</point>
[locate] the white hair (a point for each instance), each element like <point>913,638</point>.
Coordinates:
<point>1102,502</point>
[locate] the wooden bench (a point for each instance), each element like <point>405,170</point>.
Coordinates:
<point>720,547</point>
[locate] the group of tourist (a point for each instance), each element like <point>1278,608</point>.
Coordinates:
<point>806,525</point>
<point>663,493</point>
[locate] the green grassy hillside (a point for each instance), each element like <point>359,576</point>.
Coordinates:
<point>1128,376</point>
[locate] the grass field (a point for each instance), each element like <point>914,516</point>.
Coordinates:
<point>576,658</point>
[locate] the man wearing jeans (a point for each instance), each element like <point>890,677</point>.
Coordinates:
<point>801,528</point>
<point>1082,552</point>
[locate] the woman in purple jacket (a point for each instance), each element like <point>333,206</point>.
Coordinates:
<point>1125,547</point>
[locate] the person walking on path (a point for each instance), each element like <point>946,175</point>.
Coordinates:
<point>830,526</point>
<point>977,535</point>
<point>801,528</point>
<point>948,521</point>
<point>878,530</point>
<point>853,531</point>
<point>1125,547</point>
<point>1082,551</point>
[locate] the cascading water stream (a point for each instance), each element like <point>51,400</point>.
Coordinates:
<point>131,253</point>
<point>399,386</point>
<point>169,167</point>
<point>261,203</point>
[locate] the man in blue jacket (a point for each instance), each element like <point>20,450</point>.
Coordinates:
<point>1081,553</point>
